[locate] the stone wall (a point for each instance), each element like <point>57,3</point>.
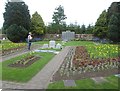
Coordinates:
<point>2,36</point>
<point>84,36</point>
<point>77,36</point>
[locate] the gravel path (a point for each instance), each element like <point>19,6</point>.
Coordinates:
<point>42,79</point>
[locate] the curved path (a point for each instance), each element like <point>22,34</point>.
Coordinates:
<point>42,78</point>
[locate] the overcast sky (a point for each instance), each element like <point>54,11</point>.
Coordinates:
<point>80,11</point>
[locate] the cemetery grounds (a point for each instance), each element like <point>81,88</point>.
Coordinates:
<point>85,60</point>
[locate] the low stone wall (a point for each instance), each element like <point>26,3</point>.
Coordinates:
<point>84,36</point>
<point>53,36</point>
<point>77,36</point>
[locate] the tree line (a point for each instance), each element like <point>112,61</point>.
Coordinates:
<point>18,22</point>
<point>108,23</point>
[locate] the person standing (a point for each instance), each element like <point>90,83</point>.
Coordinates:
<point>29,40</point>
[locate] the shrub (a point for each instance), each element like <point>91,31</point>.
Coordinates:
<point>16,33</point>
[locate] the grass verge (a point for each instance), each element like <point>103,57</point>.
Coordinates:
<point>24,74</point>
<point>112,83</point>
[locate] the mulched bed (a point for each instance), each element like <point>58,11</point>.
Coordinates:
<point>25,62</point>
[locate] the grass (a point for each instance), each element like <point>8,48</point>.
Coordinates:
<point>79,43</point>
<point>87,83</point>
<point>24,74</point>
<point>45,42</point>
<point>50,49</point>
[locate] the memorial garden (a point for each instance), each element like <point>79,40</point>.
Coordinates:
<point>61,56</point>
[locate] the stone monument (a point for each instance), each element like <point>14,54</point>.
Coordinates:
<point>67,36</point>
<point>58,46</point>
<point>52,44</point>
<point>45,46</point>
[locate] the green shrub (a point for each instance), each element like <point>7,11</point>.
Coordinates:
<point>16,33</point>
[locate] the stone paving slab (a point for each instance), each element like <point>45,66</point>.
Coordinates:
<point>11,85</point>
<point>69,83</point>
<point>99,79</point>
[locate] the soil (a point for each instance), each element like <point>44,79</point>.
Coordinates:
<point>57,76</point>
<point>20,63</point>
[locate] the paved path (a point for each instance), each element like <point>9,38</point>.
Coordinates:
<point>42,79</point>
<point>18,53</point>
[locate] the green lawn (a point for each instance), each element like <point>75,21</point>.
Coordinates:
<point>45,42</point>
<point>79,43</point>
<point>112,83</point>
<point>50,49</point>
<point>24,74</point>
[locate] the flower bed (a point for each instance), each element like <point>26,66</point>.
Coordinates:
<point>83,63</point>
<point>78,62</point>
<point>25,62</point>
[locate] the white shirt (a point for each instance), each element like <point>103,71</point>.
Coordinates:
<point>29,37</point>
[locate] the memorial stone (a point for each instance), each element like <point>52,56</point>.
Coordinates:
<point>58,46</point>
<point>52,44</point>
<point>45,46</point>
<point>67,36</point>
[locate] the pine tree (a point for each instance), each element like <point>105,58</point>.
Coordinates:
<point>16,15</point>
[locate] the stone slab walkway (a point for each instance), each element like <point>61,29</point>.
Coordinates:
<point>42,79</point>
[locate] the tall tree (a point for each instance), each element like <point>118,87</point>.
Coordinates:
<point>16,15</point>
<point>114,8</point>
<point>37,24</point>
<point>100,29</point>
<point>58,17</point>
<point>83,29</point>
<point>113,20</point>
<point>89,29</point>
<point>114,28</point>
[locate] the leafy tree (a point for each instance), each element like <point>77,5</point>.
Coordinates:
<point>100,29</point>
<point>16,13</point>
<point>16,33</point>
<point>89,29</point>
<point>83,29</point>
<point>58,17</point>
<point>71,27</point>
<point>51,28</point>
<point>63,26</point>
<point>37,24</point>
<point>75,28</point>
